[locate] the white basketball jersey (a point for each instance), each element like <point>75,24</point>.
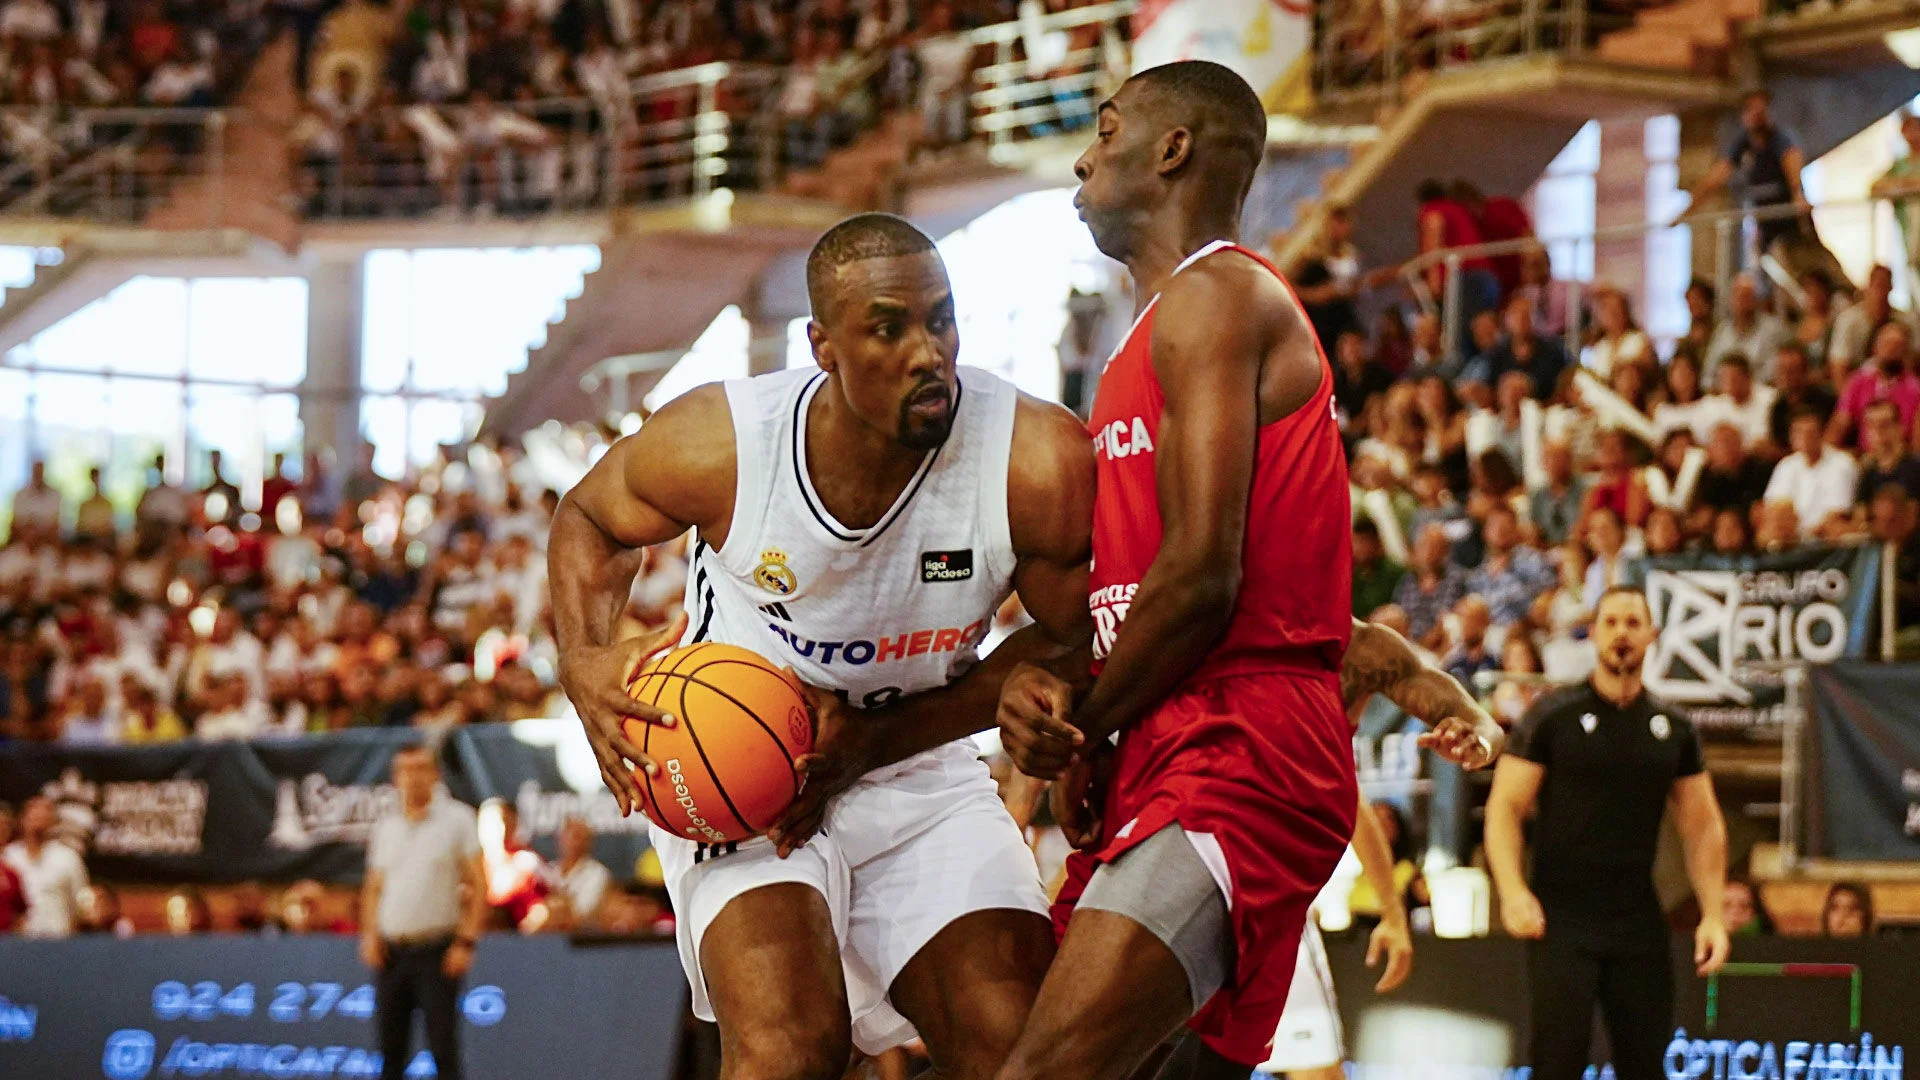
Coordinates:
<point>891,609</point>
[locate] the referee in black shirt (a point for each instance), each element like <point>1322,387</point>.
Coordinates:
<point>1602,760</point>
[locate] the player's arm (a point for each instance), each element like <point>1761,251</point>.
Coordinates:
<point>675,473</point>
<point>1214,325</point>
<point>1516,784</point>
<point>1050,482</point>
<point>1379,661</point>
<point>1392,937</point>
<point>1703,837</point>
<point>373,951</point>
<point>473,916</point>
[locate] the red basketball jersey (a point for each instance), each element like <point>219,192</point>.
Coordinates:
<point>1297,563</point>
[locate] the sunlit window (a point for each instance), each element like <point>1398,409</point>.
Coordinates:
<point>444,328</point>
<point>719,353</point>
<point>173,366</point>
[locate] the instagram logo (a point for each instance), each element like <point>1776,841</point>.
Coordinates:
<point>129,1055</point>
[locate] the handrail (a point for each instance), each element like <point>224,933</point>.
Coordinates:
<point>1009,32</point>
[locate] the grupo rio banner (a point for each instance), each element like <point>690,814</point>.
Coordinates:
<point>283,809</point>
<point>1861,777</point>
<point>244,1006</point>
<point>1727,623</point>
<point>1269,42</point>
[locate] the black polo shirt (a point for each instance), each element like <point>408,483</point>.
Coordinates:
<point>1609,772</point>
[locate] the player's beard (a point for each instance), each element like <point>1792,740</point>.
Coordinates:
<point>1620,660</point>
<point>924,434</point>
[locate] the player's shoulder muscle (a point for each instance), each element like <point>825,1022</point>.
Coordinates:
<point>1050,481</point>
<point>1226,311</point>
<point>680,464</point>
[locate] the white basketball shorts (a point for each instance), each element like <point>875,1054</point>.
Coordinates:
<point>903,853</point>
<point>1309,1036</point>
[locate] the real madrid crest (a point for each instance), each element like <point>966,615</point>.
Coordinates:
<point>773,575</point>
<point>1659,726</point>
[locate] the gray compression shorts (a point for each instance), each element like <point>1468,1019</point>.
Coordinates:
<point>1161,884</point>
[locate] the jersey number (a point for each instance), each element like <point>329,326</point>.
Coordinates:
<point>876,699</point>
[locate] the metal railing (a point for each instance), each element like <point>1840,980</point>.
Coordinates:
<point>1048,74</point>
<point>678,134</point>
<point>1732,234</point>
<point>1365,50</point>
<point>110,165</point>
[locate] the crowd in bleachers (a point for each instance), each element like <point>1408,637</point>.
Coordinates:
<point>530,103</point>
<point>322,606</point>
<point>1505,483</point>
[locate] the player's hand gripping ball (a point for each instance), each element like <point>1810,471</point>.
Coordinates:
<point>725,769</point>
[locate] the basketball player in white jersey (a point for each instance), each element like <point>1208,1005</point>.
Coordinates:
<point>859,523</point>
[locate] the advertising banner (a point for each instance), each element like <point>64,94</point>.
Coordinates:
<point>1861,776</point>
<point>1790,1013</point>
<point>1728,623</point>
<point>285,809</point>
<point>1269,42</point>
<point>237,1006</point>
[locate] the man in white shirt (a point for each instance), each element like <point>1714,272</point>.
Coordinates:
<point>1747,330</point>
<point>1853,329</point>
<point>1816,478</point>
<point>584,878</point>
<point>30,20</point>
<point>1747,407</point>
<point>37,508</point>
<point>51,873</point>
<point>232,712</point>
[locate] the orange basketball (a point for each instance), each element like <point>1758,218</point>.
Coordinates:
<point>726,765</point>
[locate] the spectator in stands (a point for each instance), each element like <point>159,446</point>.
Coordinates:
<point>1816,480</point>
<point>1607,541</point>
<point>162,511</point>
<point>1445,419</point>
<point>1376,578</point>
<point>1888,459</point>
<point>1431,588</point>
<point>1618,340</point>
<point>584,880</point>
<point>1732,479</point>
<point>94,518</point>
<point>1764,164</point>
<point>1513,697</point>
<point>1554,506</point>
<point>1887,376</point>
<point>1893,519</point>
<point>101,913</point>
<point>1741,404</point>
<point>1327,279</point>
<point>186,912</point>
<point>179,81</point>
<point>1814,328</point>
<point>144,718</point>
<point>516,875</point>
<point>1730,537</point>
<point>1700,317</point>
<point>1357,380</point>
<point>1085,343</point>
<point>1742,911</point>
<point>1901,185</point>
<point>1445,223</point>
<point>51,873</point>
<point>1523,350</point>
<point>1847,911</point>
<point>1470,655</point>
<point>1512,574</point>
<point>87,718</point>
<point>945,60</point>
<point>1682,405</point>
<point>1749,329</point>
<point>37,508</point>
<point>1795,389</point>
<point>1500,218</point>
<point>416,932</point>
<point>1855,327</point>
<point>220,497</point>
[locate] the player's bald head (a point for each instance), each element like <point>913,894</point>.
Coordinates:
<point>1212,101</point>
<point>861,237</point>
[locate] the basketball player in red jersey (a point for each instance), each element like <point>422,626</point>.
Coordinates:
<point>1220,593</point>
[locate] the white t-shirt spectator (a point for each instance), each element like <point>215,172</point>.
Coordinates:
<point>53,881</point>
<point>1815,489</point>
<point>87,570</point>
<point>1751,419</point>
<point>1759,343</point>
<point>34,20</point>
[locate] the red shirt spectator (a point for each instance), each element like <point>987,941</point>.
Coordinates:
<point>273,489</point>
<point>152,39</point>
<point>1502,218</point>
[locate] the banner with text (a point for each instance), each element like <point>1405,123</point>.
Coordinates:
<point>1861,774</point>
<point>1727,624</point>
<point>283,809</point>
<point>1269,42</point>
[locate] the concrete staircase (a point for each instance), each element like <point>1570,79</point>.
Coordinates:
<point>1686,35</point>
<point>253,187</point>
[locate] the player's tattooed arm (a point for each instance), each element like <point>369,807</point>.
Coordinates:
<point>1379,661</point>
<point>677,472</point>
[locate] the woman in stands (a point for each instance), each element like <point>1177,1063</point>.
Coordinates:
<point>1617,337</point>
